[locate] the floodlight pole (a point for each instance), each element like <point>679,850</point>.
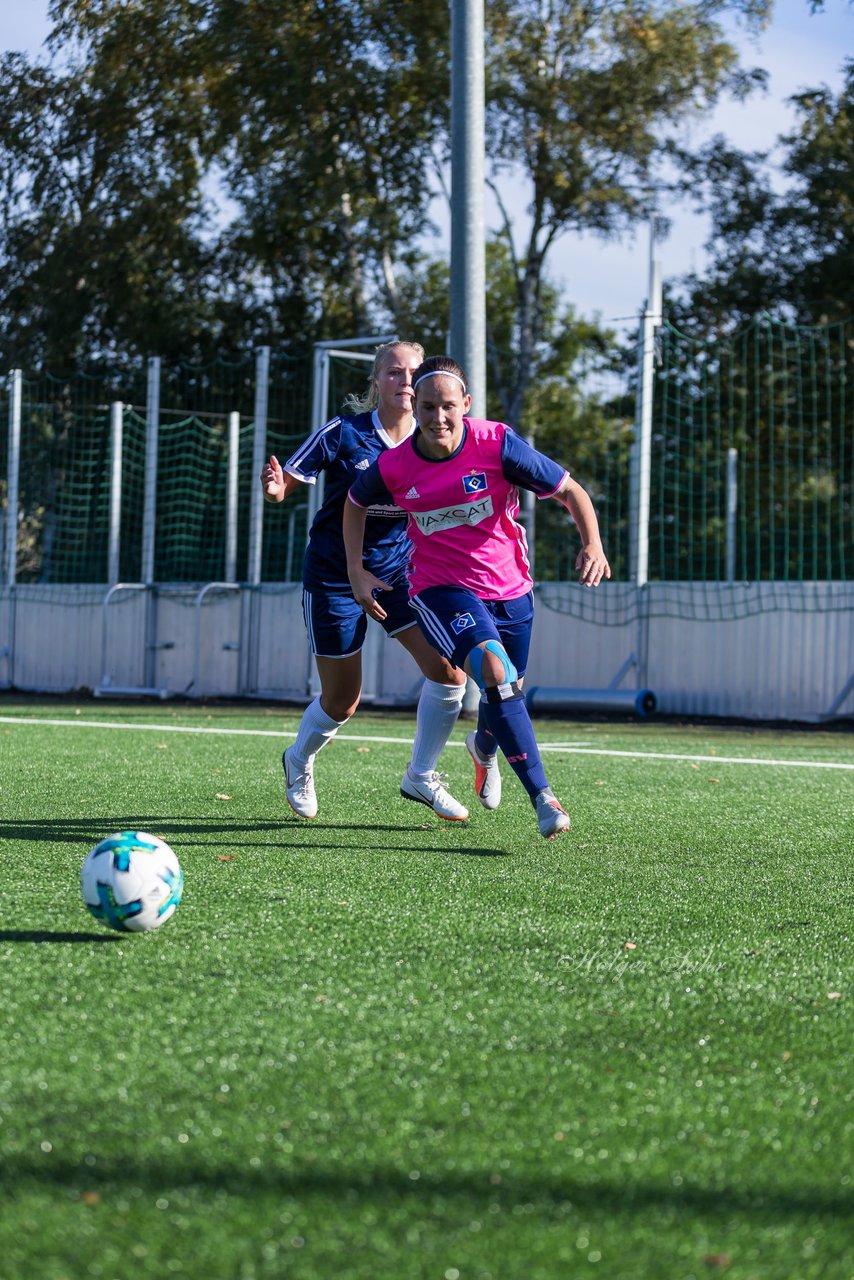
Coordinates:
<point>468,249</point>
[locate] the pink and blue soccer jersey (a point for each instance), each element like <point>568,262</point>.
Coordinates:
<point>463,509</point>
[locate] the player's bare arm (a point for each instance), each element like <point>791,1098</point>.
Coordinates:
<point>363,582</point>
<point>276,483</point>
<point>591,563</point>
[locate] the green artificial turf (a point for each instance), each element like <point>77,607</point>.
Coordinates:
<point>378,1045</point>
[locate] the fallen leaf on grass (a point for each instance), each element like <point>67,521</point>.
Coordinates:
<point>220,795</point>
<point>363,750</point>
<point>834,995</point>
<point>717,1259</point>
<point>630,946</point>
<point>225,857</point>
<point>714,779</point>
<point>90,1197</point>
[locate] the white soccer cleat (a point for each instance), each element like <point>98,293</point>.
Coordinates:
<point>487,779</point>
<point>551,817</point>
<point>430,791</point>
<point>299,784</point>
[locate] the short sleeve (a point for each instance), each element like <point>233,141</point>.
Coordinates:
<point>315,454</point>
<point>368,490</point>
<point>529,468</point>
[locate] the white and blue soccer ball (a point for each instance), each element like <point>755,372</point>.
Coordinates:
<point>132,882</point>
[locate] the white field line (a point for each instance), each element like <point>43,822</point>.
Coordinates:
<point>562,748</point>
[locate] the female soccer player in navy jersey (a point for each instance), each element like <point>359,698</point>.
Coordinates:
<point>336,624</point>
<point>470,583</point>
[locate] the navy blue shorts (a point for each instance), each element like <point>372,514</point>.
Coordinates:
<point>454,620</point>
<point>337,625</point>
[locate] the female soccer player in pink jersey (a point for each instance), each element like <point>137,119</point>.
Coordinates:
<point>336,624</point>
<point>469,576</point>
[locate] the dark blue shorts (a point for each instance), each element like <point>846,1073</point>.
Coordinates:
<point>337,625</point>
<point>454,620</point>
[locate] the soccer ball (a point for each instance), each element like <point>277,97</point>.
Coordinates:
<point>132,882</point>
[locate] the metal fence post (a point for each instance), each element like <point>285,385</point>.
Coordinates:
<point>731,508</point>
<point>259,453</point>
<point>13,473</point>
<point>116,432</point>
<point>643,443</point>
<point>319,410</point>
<point>231,498</point>
<point>152,428</point>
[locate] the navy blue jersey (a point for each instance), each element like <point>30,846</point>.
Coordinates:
<point>344,448</point>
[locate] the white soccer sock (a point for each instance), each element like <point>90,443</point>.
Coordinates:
<point>438,710</point>
<point>315,731</point>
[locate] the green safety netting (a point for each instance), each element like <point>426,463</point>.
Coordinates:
<point>65,468</point>
<point>766,406</point>
<point>64,479</point>
<point>751,482</point>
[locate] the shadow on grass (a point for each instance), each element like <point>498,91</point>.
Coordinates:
<point>46,935</point>
<point>378,1184</point>
<point>88,831</point>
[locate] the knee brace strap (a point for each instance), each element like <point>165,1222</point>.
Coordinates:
<point>501,692</point>
<point>511,675</point>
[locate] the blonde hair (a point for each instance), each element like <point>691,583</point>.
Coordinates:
<point>371,398</point>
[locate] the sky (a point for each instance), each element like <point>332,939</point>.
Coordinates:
<point>798,49</point>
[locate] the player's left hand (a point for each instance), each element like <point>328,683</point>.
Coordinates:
<point>365,588</point>
<point>591,565</point>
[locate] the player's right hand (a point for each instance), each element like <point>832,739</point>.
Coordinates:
<point>364,585</point>
<point>273,479</point>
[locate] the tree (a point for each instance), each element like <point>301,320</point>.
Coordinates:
<point>101,220</point>
<point>763,361</point>
<point>584,99</point>
<point>324,120</point>
<point>316,116</point>
<point>817,214</point>
<point>791,251</point>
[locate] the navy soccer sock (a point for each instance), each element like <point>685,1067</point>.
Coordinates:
<point>509,722</point>
<point>484,737</point>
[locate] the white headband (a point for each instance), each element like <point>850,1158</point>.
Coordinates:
<point>436,373</point>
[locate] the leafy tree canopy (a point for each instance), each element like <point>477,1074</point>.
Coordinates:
<point>323,121</point>
<point>789,251</point>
